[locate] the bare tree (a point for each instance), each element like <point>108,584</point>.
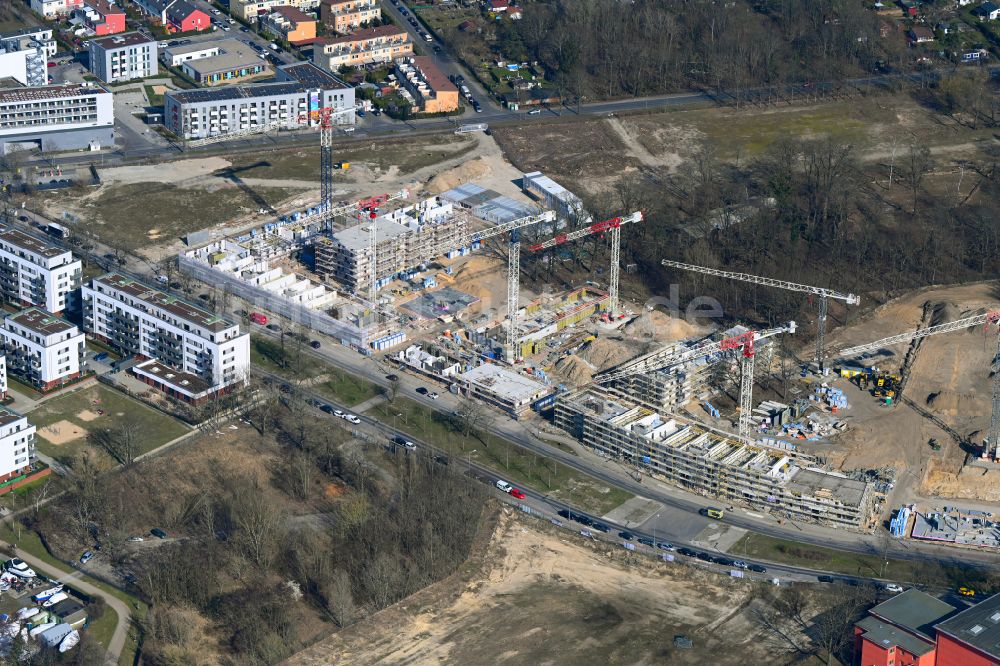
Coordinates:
<point>833,628</point>
<point>120,442</point>
<point>259,521</point>
<point>339,598</point>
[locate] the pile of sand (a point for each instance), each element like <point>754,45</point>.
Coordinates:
<point>574,369</point>
<point>604,353</point>
<point>661,327</point>
<point>944,311</point>
<point>463,173</point>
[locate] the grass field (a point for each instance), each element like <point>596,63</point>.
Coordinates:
<point>68,418</point>
<point>341,386</point>
<point>515,463</point>
<point>859,564</point>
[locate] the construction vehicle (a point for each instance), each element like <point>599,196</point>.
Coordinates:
<point>934,444</point>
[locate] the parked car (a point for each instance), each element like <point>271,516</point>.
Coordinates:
<point>740,564</point>
<point>86,557</point>
<point>392,378</point>
<point>504,486</point>
<point>646,542</point>
<point>338,413</point>
<point>158,533</point>
<point>433,395</point>
<point>892,587</point>
<point>516,493</point>
<point>136,538</point>
<point>534,112</point>
<point>352,418</point>
<point>757,568</point>
<point>704,557</point>
<point>19,568</point>
<point>564,513</point>
<point>628,536</point>
<point>327,408</point>
<point>422,391</point>
<point>601,527</point>
<point>966,591</point>
<point>666,545</point>
<point>315,344</point>
<point>686,552</point>
<point>825,579</point>
<point>409,446</point>
<point>103,356</point>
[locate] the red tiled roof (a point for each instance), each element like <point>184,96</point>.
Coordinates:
<point>294,14</point>
<point>367,33</point>
<point>435,78</point>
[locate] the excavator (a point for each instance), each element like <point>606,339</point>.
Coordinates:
<point>882,384</point>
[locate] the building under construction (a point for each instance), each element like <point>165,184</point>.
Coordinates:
<point>404,239</point>
<point>713,464</point>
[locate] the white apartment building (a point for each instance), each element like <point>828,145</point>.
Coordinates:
<point>41,349</point>
<point>38,36</point>
<point>58,117</point>
<point>139,320</point>
<point>53,8</point>
<point>17,444</point>
<point>124,57</point>
<point>33,272</point>
<point>3,377</point>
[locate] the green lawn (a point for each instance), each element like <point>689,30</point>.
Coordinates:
<point>513,462</point>
<point>81,410</point>
<point>294,362</point>
<point>154,99</point>
<point>858,564</point>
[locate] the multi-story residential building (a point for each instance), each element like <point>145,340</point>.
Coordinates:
<point>343,16</point>
<point>17,444</point>
<point>41,349</point>
<point>383,43</point>
<point>25,38</point>
<point>303,88</point>
<point>713,464</point>
<point>101,17</point>
<point>63,117</point>
<point>51,9</point>
<point>249,10</point>
<point>27,66</point>
<point>33,272</point>
<point>137,319</point>
<point>3,378</point>
<point>291,24</point>
<point>427,84</point>
<point>123,57</point>
<point>234,61</point>
<point>404,239</point>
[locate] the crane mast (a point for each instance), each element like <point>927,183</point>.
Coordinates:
<point>823,294</point>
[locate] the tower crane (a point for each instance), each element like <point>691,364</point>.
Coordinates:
<point>672,356</point>
<point>613,227</point>
<point>513,266</point>
<point>988,319</point>
<point>824,295</point>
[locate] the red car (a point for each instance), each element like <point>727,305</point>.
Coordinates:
<point>517,493</point>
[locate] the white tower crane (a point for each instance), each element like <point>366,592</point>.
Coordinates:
<point>612,226</point>
<point>824,294</point>
<point>990,318</point>
<point>673,355</point>
<point>513,266</point>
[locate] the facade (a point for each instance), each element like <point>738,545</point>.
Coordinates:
<point>51,9</point>
<point>234,61</point>
<point>25,38</point>
<point>139,320</point>
<point>175,56</point>
<point>33,272</point>
<point>382,44</point>
<point>712,464</point>
<point>249,10</point>
<point>62,117</point>
<point>430,88</point>
<point>27,66</point>
<point>291,24</point>
<point>971,637</point>
<point>123,57</point>
<point>343,16</point>
<point>3,378</point>
<point>182,16</point>
<point>405,238</point>
<point>101,17</point>
<point>900,631</point>
<point>555,197</point>
<point>42,350</point>
<point>17,444</point>
<point>196,114</point>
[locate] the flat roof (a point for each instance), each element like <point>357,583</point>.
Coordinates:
<point>226,93</point>
<point>182,309</point>
<point>123,40</point>
<point>233,54</point>
<point>185,382</point>
<point>503,382</point>
<point>886,636</point>
<point>367,33</point>
<point>182,49</point>
<point>8,416</point>
<point>356,238</point>
<point>41,321</point>
<point>35,94</point>
<point>30,243</point>
<point>435,78</point>
<point>809,481</point>
<point>310,75</point>
<point>915,611</point>
<point>978,626</point>
<point>294,14</point>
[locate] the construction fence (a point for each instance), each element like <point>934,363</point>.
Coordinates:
<point>262,299</point>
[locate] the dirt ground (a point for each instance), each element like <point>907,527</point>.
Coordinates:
<point>62,432</point>
<point>950,378</point>
<point>542,596</point>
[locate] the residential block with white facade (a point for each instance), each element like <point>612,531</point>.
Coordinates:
<point>140,320</point>
<point>124,57</point>
<point>41,349</point>
<point>17,444</point>
<point>58,117</point>
<point>33,272</point>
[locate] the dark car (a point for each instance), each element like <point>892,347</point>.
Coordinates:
<point>705,557</point>
<point>724,561</point>
<point>628,536</point>
<point>686,552</point>
<point>422,391</point>
<point>273,327</point>
<point>601,527</point>
<point>103,356</point>
<point>441,460</point>
<point>327,408</point>
<point>825,579</point>
<point>583,520</point>
<point>437,49</point>
<point>158,533</point>
<point>392,378</point>
<point>757,568</point>
<point>315,344</point>
<point>646,542</point>
<point>564,513</point>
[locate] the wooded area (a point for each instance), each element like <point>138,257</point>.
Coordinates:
<point>602,48</point>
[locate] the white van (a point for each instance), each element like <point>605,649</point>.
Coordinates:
<point>504,486</point>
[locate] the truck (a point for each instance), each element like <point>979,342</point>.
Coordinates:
<point>258,318</point>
